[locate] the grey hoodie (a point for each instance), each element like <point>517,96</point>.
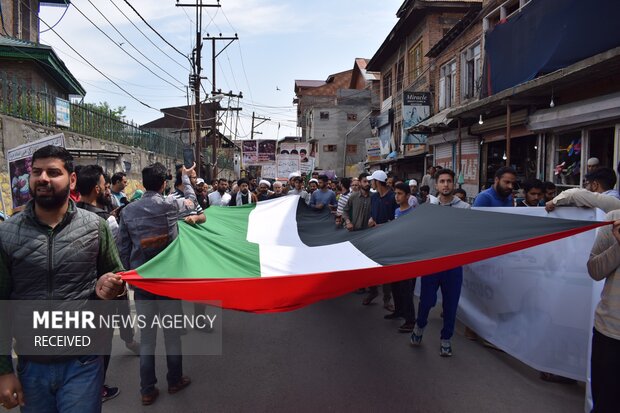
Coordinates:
<point>455,203</point>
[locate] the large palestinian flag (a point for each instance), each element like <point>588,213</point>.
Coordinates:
<point>280,255</point>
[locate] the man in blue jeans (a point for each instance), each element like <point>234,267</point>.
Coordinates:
<point>39,261</point>
<point>449,281</point>
<point>147,227</point>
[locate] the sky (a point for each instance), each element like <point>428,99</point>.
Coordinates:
<point>279,42</point>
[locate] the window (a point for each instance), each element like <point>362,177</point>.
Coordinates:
<point>329,148</point>
<point>21,19</point>
<point>400,73</point>
<point>351,148</point>
<point>447,85</point>
<point>324,115</point>
<point>414,61</point>
<point>387,85</point>
<point>351,116</point>
<point>471,72</point>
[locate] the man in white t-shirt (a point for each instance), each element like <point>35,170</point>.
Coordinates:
<point>220,197</point>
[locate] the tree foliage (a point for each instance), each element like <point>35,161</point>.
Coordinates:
<point>105,108</point>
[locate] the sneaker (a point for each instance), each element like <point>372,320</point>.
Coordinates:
<point>406,328</point>
<point>389,306</point>
<point>416,336</point>
<point>108,393</point>
<point>445,350</point>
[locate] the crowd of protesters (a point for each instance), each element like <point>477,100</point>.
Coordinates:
<point>72,202</point>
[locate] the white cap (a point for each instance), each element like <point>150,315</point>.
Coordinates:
<point>314,180</point>
<point>593,161</point>
<point>200,181</point>
<point>263,181</point>
<point>293,174</point>
<point>378,175</point>
<point>413,182</point>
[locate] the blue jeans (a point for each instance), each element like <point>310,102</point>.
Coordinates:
<point>72,386</point>
<point>450,283</point>
<point>149,305</point>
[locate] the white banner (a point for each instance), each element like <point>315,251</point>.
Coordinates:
<point>537,304</point>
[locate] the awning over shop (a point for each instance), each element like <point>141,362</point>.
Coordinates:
<point>449,136</point>
<point>434,123</point>
<point>598,109</point>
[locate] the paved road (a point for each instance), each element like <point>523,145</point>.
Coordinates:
<point>340,356</point>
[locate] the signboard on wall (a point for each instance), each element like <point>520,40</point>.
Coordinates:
<point>373,149</point>
<point>416,108</point>
<point>63,112</point>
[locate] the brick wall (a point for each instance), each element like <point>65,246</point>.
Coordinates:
<point>454,52</point>
<point>32,75</point>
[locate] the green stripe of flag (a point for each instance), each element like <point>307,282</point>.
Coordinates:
<point>216,249</point>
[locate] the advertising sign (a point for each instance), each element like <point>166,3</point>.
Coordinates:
<point>63,112</point>
<point>416,108</point>
<point>373,149</point>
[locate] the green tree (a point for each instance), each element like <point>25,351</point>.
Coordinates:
<point>105,108</point>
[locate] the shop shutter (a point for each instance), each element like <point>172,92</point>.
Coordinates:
<point>443,155</point>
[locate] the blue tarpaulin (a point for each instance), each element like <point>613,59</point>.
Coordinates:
<point>548,35</point>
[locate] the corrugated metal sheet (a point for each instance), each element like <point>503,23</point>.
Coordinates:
<point>443,152</point>
<point>470,146</point>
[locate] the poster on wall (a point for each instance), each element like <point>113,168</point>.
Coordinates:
<point>266,151</point>
<point>258,151</point>
<point>63,112</point>
<point>301,149</point>
<point>253,171</point>
<point>416,108</point>
<point>249,151</point>
<point>269,171</point>
<point>286,165</point>
<point>307,166</point>
<point>20,164</point>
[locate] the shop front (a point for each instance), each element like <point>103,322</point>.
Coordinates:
<point>575,133</point>
<point>449,151</point>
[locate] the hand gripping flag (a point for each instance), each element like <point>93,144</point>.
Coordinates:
<point>280,255</point>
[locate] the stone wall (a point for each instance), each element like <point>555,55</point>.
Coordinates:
<point>15,132</point>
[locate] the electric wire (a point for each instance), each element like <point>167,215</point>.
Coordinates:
<point>132,45</point>
<point>147,37</point>
<point>155,31</point>
<point>126,52</point>
<point>60,19</point>
<point>90,64</point>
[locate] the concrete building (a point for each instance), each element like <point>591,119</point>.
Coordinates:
<point>335,115</point>
<point>406,80</point>
<point>542,109</point>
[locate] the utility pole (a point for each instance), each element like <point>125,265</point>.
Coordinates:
<point>262,120</point>
<point>195,79</point>
<point>215,141</point>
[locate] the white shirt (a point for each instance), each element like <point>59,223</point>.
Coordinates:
<point>216,199</point>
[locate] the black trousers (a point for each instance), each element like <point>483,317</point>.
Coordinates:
<point>402,291</point>
<point>605,373</point>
